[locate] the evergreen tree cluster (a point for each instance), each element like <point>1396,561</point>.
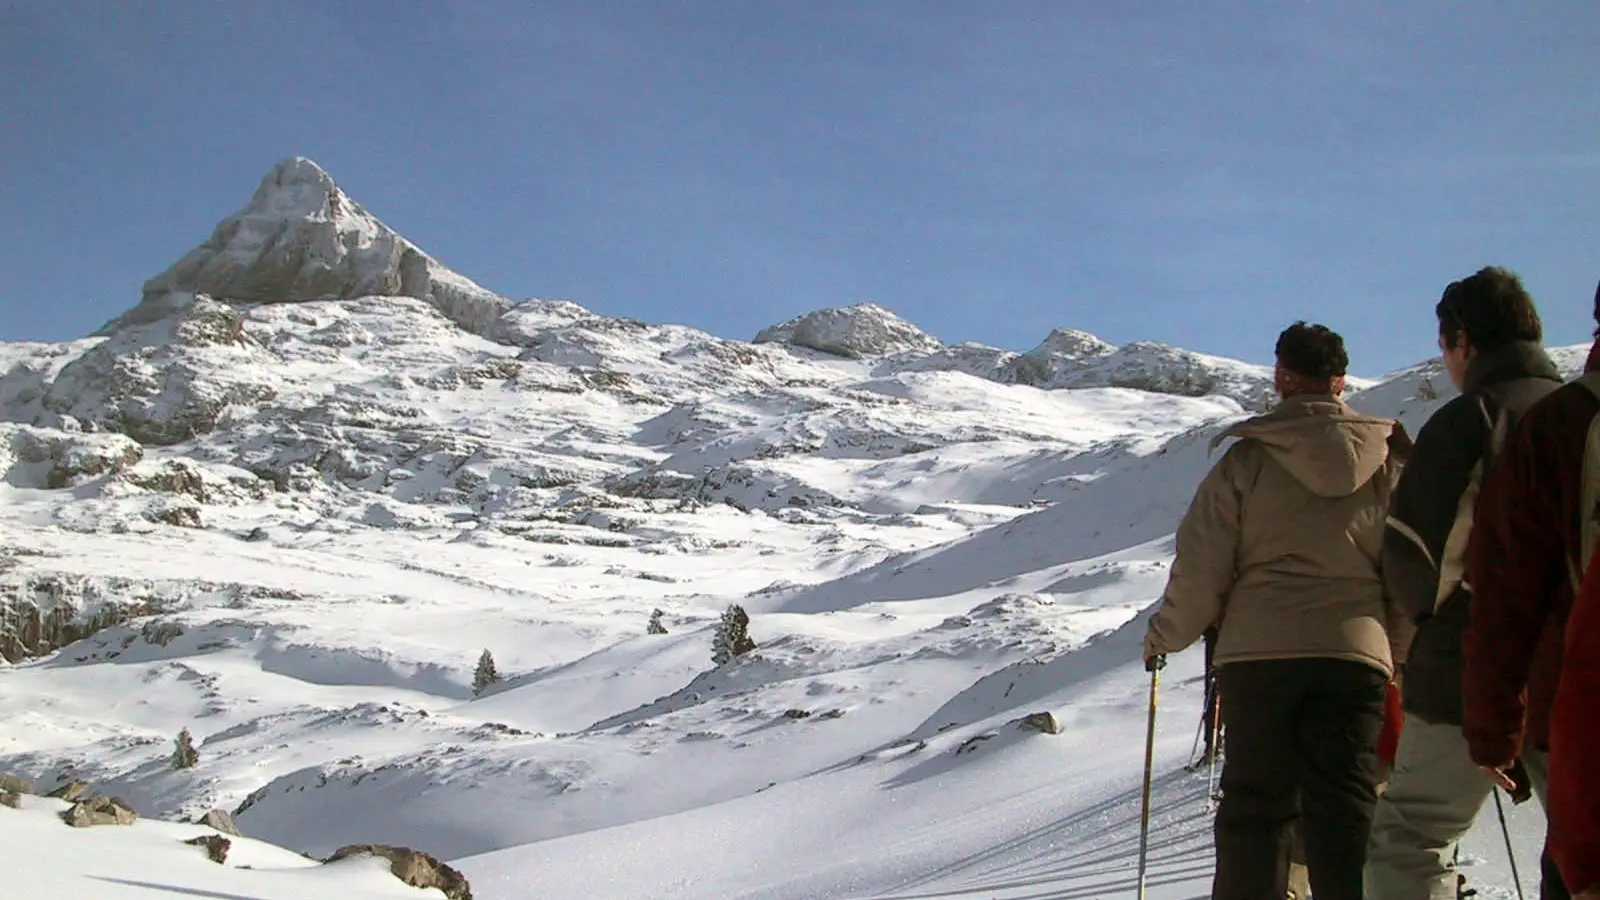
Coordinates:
<point>184,755</point>
<point>485,675</point>
<point>732,637</point>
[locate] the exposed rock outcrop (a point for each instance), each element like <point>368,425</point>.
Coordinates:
<point>11,784</point>
<point>70,792</point>
<point>198,481</point>
<point>1042,722</point>
<point>220,820</point>
<point>47,458</point>
<point>178,514</point>
<point>94,811</point>
<point>302,238</point>
<point>413,867</point>
<point>10,799</point>
<point>165,381</point>
<point>43,613</point>
<point>215,845</point>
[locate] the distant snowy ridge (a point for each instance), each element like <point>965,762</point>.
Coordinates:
<point>1066,358</point>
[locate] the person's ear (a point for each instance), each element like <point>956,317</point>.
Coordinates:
<point>1336,385</point>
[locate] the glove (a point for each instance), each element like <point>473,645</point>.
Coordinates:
<point>1152,649</point>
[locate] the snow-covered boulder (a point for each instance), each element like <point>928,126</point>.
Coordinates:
<point>93,811</point>
<point>302,238</point>
<point>855,332</point>
<point>413,867</point>
<point>221,820</point>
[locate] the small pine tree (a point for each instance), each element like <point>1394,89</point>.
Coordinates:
<point>732,637</point>
<point>486,674</point>
<point>655,626</point>
<point>184,756</point>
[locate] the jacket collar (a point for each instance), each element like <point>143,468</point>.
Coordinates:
<point>1518,359</point>
<point>1309,405</point>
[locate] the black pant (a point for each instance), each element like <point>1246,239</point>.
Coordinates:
<point>1302,739</point>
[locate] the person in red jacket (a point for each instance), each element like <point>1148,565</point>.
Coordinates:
<point>1575,744</point>
<point>1525,542</point>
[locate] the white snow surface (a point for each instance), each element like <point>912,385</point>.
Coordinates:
<point>46,859</point>
<point>328,508</point>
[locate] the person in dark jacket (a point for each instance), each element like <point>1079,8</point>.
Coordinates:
<point>1521,562</point>
<point>1285,533</point>
<point>1489,337</point>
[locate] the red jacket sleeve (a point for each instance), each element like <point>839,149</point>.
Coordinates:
<point>1575,744</point>
<point>1516,564</point>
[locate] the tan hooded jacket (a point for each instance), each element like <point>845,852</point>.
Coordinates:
<point>1282,541</point>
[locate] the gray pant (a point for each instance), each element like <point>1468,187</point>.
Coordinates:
<point>1434,795</point>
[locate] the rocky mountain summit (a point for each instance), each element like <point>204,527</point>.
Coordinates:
<point>856,332</point>
<point>302,238</point>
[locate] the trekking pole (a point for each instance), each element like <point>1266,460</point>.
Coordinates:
<point>1499,807</point>
<point>1216,747</point>
<point>1194,747</point>
<point>1153,665</point>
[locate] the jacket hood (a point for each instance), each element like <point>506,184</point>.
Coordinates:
<point>1323,443</point>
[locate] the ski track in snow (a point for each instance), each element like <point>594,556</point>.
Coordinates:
<point>932,541</point>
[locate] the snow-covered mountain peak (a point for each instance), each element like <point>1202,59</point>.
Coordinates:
<point>302,239</point>
<point>1070,342</point>
<point>299,188</point>
<point>855,332</point>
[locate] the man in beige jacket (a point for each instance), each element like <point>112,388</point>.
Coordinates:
<point>1282,543</point>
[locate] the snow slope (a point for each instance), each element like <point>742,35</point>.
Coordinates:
<point>48,859</point>
<point>287,501</point>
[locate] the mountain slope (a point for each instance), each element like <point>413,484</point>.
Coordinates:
<point>288,515</point>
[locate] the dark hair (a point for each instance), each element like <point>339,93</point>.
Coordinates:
<point>1597,310</point>
<point>1492,307</point>
<point>1312,351</point>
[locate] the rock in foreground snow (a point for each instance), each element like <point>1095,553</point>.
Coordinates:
<point>147,858</point>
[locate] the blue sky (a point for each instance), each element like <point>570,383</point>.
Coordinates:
<point>1197,173</point>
